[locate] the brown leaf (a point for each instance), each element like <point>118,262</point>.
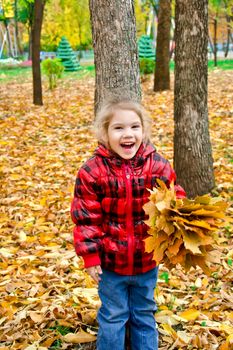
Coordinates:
<point>78,338</point>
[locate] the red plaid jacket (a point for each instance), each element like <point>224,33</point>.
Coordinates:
<point>107,208</point>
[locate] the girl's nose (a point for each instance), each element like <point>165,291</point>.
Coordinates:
<point>128,132</point>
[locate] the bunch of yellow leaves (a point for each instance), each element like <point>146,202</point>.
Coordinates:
<point>183,231</point>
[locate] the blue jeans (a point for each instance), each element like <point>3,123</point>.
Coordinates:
<point>127,298</point>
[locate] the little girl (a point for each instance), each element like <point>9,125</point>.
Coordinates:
<point>110,191</point>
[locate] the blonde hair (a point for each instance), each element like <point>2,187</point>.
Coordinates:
<point>106,112</point>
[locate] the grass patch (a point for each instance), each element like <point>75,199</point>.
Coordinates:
<point>57,344</point>
<point>86,71</point>
<point>11,73</point>
<point>8,74</point>
<point>22,73</point>
<point>222,64</point>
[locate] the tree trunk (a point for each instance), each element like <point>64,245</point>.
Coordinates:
<point>36,34</point>
<point>162,74</point>
<point>211,43</point>
<point>228,35</point>
<point>31,11</point>
<point>29,43</point>
<point>192,148</point>
<point>215,42</point>
<point>115,50</point>
<point>18,43</point>
<point>228,42</point>
<point>9,43</point>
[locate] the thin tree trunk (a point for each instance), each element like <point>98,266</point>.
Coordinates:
<point>30,24</point>
<point>80,40</point>
<point>9,46</point>
<point>115,50</point>
<point>192,148</point>
<point>162,74</point>
<point>215,41</point>
<point>211,43</point>
<point>228,43</point>
<point>18,43</point>
<point>228,35</point>
<point>29,43</point>
<point>36,34</point>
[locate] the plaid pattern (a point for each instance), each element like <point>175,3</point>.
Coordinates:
<point>107,208</point>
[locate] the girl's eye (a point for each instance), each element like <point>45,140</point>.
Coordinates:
<point>136,126</point>
<point>118,128</point>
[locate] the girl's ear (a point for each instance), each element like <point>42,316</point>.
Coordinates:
<point>105,139</point>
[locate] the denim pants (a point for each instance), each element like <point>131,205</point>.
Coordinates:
<point>127,298</point>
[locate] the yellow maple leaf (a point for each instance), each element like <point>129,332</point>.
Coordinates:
<point>192,242</point>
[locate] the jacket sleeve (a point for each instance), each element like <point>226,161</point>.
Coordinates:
<point>166,173</point>
<point>86,213</point>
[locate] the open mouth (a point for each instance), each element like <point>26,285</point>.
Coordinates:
<point>128,145</point>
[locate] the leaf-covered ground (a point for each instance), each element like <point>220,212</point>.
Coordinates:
<point>44,292</point>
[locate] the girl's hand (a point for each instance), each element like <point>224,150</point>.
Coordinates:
<point>94,272</point>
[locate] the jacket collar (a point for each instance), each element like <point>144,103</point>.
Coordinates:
<point>138,160</point>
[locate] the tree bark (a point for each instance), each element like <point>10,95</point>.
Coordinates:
<point>9,43</point>
<point>211,43</point>
<point>31,11</point>
<point>215,41</point>
<point>18,43</point>
<point>228,18</point>
<point>192,148</point>
<point>29,43</point>
<point>115,50</point>
<point>36,34</point>
<point>162,74</point>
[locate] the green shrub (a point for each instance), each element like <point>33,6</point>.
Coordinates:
<point>53,69</point>
<point>147,65</point>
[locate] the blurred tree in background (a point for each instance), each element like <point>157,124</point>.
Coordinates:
<point>72,20</point>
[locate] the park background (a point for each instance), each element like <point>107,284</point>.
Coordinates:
<point>71,19</point>
<point>47,301</point>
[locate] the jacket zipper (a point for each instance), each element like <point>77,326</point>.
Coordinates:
<point>129,218</point>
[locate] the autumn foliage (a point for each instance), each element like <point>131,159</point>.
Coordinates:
<point>183,231</point>
<point>47,301</point>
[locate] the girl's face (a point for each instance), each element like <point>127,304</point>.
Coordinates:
<point>125,133</point>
